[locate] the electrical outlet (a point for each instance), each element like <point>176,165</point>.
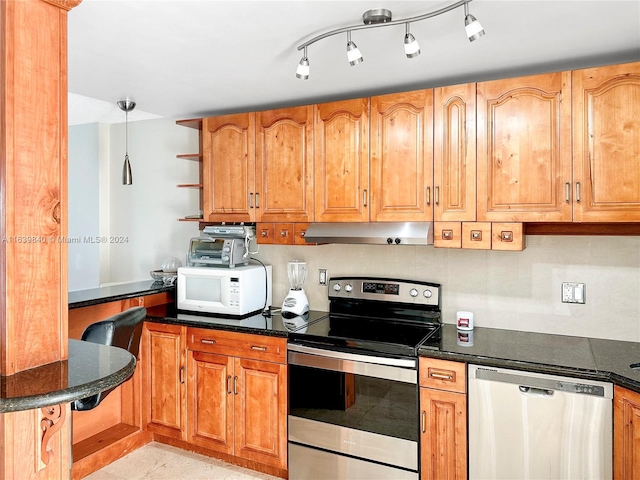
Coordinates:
<point>573,292</point>
<point>322,276</point>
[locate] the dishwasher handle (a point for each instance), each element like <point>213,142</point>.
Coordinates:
<point>535,392</point>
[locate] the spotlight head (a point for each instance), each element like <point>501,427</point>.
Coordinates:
<point>353,54</point>
<point>411,47</point>
<point>302,72</point>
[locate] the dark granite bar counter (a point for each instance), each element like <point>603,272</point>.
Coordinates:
<point>95,296</point>
<point>91,368</point>
<point>582,357</point>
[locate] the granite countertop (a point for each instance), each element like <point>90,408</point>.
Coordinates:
<point>582,357</point>
<point>90,369</point>
<point>95,296</point>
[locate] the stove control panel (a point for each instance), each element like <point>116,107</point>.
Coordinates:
<point>384,289</point>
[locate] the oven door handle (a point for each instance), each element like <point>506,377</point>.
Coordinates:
<point>401,370</point>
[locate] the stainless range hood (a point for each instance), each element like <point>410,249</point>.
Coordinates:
<point>381,233</point>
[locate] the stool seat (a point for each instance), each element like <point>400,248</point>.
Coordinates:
<point>121,330</point>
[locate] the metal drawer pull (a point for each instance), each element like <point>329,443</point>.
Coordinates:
<point>181,374</point>
<point>264,233</point>
<point>441,375</point>
<point>428,195</point>
<point>506,236</point>
<point>235,385</point>
<point>567,192</point>
<point>437,196</point>
<point>578,192</point>
<point>262,349</point>
<point>229,384</point>
<point>476,235</point>
<point>424,421</point>
<point>207,341</point>
<point>447,234</point>
<point>284,233</point>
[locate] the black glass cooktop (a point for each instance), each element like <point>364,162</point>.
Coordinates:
<point>369,335</point>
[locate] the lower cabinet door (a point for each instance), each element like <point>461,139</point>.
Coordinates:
<point>443,435</point>
<point>163,348</point>
<point>261,412</point>
<point>211,395</point>
<point>626,434</point>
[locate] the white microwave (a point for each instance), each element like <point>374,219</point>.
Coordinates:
<point>226,291</point>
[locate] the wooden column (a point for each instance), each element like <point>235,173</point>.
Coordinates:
<point>33,220</point>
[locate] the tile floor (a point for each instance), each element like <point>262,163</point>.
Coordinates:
<point>158,461</point>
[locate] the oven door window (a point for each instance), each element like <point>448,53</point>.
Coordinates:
<point>376,405</point>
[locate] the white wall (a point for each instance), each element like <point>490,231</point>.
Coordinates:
<point>83,266</point>
<point>145,215</point>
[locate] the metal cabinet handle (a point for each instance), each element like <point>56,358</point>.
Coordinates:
<point>235,385</point>
<point>428,195</point>
<point>567,192</point>
<point>207,341</point>
<point>257,200</point>
<point>578,192</point>
<point>437,196</point>
<point>251,200</point>
<point>181,374</point>
<point>255,347</point>
<point>364,198</point>
<point>424,421</point>
<point>229,384</point>
<point>441,375</point>
<point>284,233</point>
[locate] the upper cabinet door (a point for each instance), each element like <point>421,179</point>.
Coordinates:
<point>402,157</point>
<point>524,149</point>
<point>228,169</point>
<point>454,153</point>
<point>284,165</point>
<point>606,143</point>
<point>341,179</point>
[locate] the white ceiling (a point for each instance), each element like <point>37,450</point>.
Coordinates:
<point>184,59</point>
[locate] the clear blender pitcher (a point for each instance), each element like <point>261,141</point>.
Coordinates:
<point>296,302</point>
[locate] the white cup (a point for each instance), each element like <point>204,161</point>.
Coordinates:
<point>464,320</point>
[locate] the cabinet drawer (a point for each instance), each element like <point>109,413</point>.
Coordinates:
<point>443,375</point>
<point>259,347</point>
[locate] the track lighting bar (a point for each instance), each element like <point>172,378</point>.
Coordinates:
<point>382,18</point>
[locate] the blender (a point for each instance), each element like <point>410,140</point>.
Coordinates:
<point>295,303</point>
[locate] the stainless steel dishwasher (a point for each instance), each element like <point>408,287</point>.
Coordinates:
<point>525,425</point>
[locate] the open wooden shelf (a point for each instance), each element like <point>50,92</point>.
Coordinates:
<point>190,156</point>
<point>191,123</point>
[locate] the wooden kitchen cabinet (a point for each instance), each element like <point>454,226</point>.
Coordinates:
<point>606,143</point>
<point>228,144</point>
<point>284,165</point>
<point>524,149</point>
<point>238,395</point>
<point>443,417</point>
<point>341,161</point>
<point>401,164</point>
<point>626,434</point>
<point>164,360</point>
<point>454,153</point>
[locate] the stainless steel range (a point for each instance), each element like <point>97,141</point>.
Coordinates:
<point>353,381</point>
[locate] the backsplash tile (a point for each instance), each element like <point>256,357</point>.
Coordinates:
<point>508,290</point>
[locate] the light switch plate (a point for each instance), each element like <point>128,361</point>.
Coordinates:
<point>573,292</point>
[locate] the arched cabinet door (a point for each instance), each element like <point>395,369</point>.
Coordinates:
<point>401,165</point>
<point>524,149</point>
<point>284,165</point>
<point>606,143</point>
<point>341,161</point>
<point>228,170</point>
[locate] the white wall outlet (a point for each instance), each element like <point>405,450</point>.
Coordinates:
<point>322,276</point>
<point>573,292</point>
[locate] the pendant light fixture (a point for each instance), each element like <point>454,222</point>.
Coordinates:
<point>381,17</point>
<point>126,106</point>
